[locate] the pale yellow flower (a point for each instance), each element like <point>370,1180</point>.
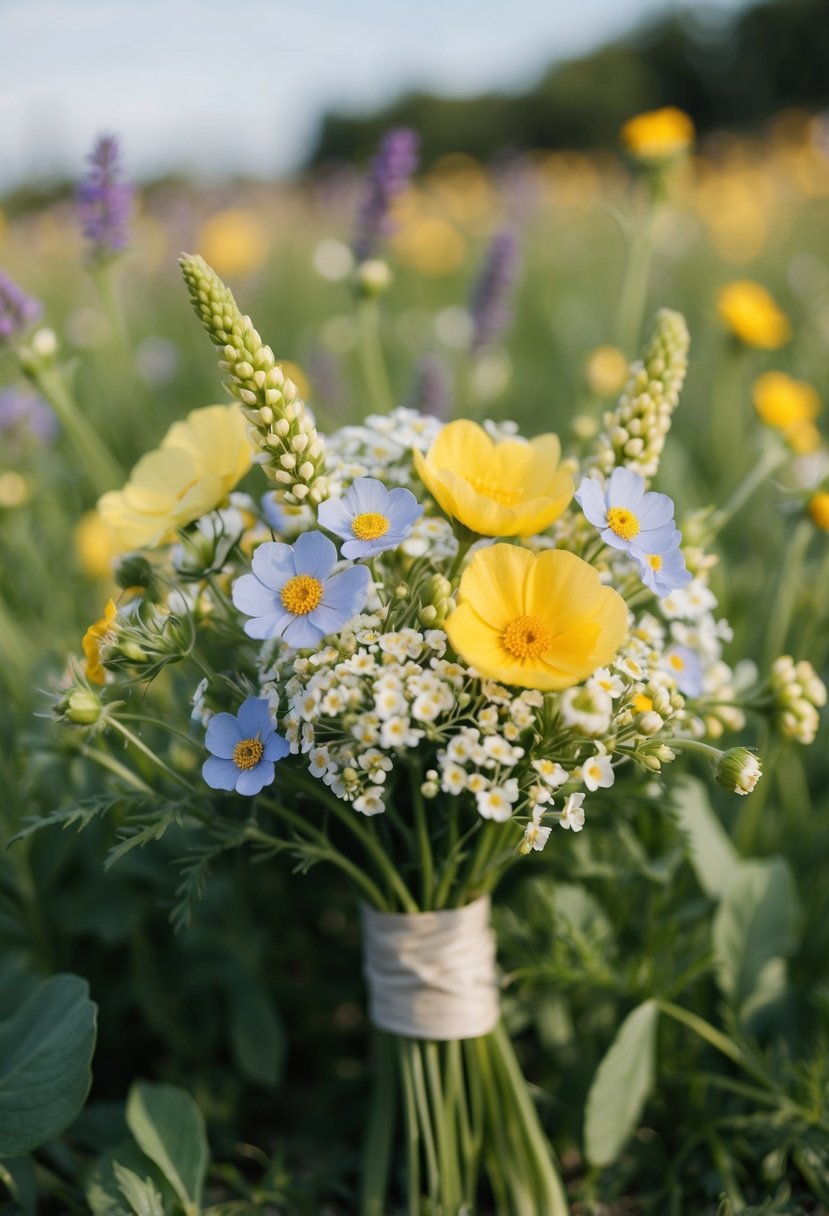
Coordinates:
<point>199,462</point>
<point>506,488</point>
<point>790,406</point>
<point>819,509</point>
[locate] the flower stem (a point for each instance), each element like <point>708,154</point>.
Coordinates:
<point>100,465</point>
<point>141,746</point>
<point>380,1131</point>
<point>633,295</point>
<point>371,356</point>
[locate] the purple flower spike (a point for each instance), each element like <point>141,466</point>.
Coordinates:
<point>431,393</point>
<point>490,306</point>
<point>104,200</point>
<point>24,415</point>
<point>391,169</point>
<point>17,310</point>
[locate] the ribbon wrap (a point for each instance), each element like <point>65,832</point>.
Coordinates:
<point>431,975</point>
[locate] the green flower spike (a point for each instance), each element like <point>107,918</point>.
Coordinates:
<point>290,450</point>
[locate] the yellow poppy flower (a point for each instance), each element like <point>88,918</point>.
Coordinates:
<point>199,462</point>
<point>819,509</point>
<point>506,488</point>
<point>658,135</point>
<point>785,403</point>
<point>544,621</point>
<point>92,642</point>
<point>752,315</point>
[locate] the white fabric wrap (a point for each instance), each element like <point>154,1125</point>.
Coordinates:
<point>431,975</point>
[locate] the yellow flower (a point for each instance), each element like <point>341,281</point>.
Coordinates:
<point>752,315</point>
<point>509,488</point>
<point>804,438</point>
<point>93,640</point>
<point>95,545</point>
<point>788,405</point>
<point>658,135</point>
<point>819,509</point>
<point>199,462</point>
<point>543,621</point>
<point>233,241</point>
<point>606,371</point>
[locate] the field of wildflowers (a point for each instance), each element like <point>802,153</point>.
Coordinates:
<point>200,587</point>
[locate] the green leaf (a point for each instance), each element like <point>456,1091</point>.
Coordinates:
<point>103,1193</point>
<point>621,1086</point>
<point>45,1055</point>
<point>256,1033</point>
<point>142,1197</point>
<point>169,1128</point>
<point>755,929</point>
<point>714,859</point>
<point>18,1177</point>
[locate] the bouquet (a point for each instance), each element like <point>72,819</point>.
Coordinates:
<point>422,650</point>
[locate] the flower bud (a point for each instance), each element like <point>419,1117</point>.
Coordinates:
<point>737,770</point>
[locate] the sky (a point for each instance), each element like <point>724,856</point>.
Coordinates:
<point>215,86</point>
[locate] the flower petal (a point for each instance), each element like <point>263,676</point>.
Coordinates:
<point>301,632</point>
<point>314,554</point>
<point>273,564</point>
<point>625,488</point>
<point>253,597</point>
<point>276,748</point>
<point>220,774</point>
<point>590,498</point>
<point>254,717</point>
<point>250,781</point>
<point>223,733</point>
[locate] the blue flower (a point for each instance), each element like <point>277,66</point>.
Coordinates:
<point>290,594</point>
<point>664,572</point>
<point>272,512</point>
<point>685,666</point>
<point>244,748</point>
<point>370,518</point>
<point>628,517</point>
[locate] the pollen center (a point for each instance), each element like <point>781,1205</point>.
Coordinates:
<point>527,637</point>
<point>677,662</point>
<point>371,525</point>
<point>505,496</point>
<point>623,522</point>
<point>655,561</point>
<point>301,594</point>
<point>247,753</point>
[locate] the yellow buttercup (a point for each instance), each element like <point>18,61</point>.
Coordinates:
<point>506,488</point>
<point>541,621</point>
<point>199,462</point>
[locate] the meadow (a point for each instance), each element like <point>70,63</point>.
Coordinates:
<point>235,979</point>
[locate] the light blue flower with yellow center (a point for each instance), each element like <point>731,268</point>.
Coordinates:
<point>664,572</point>
<point>628,517</point>
<point>244,747</point>
<point>369,518</point>
<point>292,593</point>
<point>685,665</point>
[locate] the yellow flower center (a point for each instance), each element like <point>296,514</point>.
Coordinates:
<point>371,525</point>
<point>247,753</point>
<point>505,496</point>
<point>655,561</point>
<point>623,522</point>
<point>301,594</point>
<point>677,662</point>
<point>642,703</point>
<point>527,637</point>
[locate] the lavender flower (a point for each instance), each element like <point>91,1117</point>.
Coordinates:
<point>17,310</point>
<point>430,392</point>
<point>104,200</point>
<point>490,305</point>
<point>24,415</point>
<point>394,164</point>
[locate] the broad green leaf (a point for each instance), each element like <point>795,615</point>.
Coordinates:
<point>256,1033</point>
<point>711,853</point>
<point>621,1085</point>
<point>756,924</point>
<point>142,1196</point>
<point>45,1055</point>
<point>169,1128</point>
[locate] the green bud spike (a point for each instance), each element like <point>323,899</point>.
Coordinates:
<point>634,433</point>
<point>291,452</point>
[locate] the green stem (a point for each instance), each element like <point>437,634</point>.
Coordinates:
<point>446,1142</point>
<point>323,851</point>
<point>141,746</point>
<point>771,459</point>
<point>633,296</point>
<point>371,356</point>
<point>788,588</point>
<point>716,1038</point>
<point>115,766</point>
<point>364,834</point>
<point>412,1128</point>
<point>413,1047</point>
<point>380,1131</point>
<point>100,465</point>
<point>424,845</point>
